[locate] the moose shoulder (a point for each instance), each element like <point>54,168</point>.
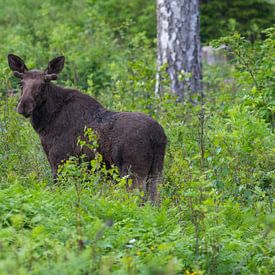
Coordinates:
<point>132,141</point>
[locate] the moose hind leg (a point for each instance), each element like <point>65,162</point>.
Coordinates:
<point>155,174</point>
<point>151,188</point>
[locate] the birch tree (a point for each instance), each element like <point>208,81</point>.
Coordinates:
<point>179,46</point>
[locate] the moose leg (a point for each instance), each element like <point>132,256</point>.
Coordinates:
<point>155,173</point>
<point>151,188</point>
<point>138,179</point>
<point>54,173</point>
<point>54,161</point>
<point>140,182</point>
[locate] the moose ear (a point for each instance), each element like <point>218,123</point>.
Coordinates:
<point>56,65</point>
<point>17,64</point>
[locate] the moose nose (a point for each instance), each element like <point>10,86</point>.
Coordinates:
<point>23,111</point>
<point>20,109</point>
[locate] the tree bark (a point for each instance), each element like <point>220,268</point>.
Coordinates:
<point>179,46</point>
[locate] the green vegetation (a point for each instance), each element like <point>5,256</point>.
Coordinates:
<point>215,214</point>
<point>249,17</point>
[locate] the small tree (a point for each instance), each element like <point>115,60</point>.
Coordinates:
<point>179,45</point>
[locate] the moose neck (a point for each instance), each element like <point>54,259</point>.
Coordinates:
<point>45,113</point>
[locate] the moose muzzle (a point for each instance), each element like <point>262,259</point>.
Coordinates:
<point>25,107</point>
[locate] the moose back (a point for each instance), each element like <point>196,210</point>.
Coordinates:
<point>132,141</point>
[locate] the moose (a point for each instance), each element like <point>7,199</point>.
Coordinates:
<point>129,140</point>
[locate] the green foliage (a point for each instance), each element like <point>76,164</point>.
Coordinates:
<point>216,196</point>
<point>137,16</point>
<point>248,17</point>
<point>255,71</point>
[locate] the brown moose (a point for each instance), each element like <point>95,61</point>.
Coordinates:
<point>132,141</point>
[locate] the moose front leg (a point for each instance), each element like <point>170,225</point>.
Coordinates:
<point>55,160</point>
<point>54,173</point>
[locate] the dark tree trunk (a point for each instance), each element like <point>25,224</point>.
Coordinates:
<point>179,46</point>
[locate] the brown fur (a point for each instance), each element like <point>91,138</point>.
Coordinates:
<point>132,141</point>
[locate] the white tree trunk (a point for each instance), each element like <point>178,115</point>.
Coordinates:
<point>179,45</point>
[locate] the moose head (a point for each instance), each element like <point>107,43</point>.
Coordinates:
<point>33,82</point>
